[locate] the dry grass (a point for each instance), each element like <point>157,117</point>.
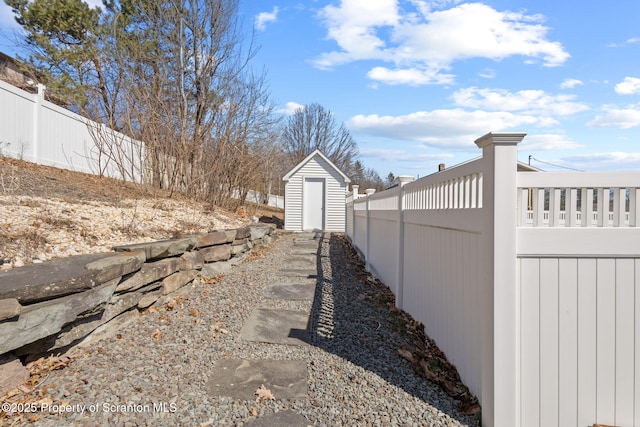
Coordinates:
<point>47,212</point>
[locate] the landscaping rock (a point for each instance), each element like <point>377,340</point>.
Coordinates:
<point>150,272</point>
<point>193,260</point>
<point>243,233</point>
<point>238,249</point>
<point>46,318</point>
<point>111,328</point>
<point>216,253</point>
<point>149,299</point>
<point>258,232</point>
<point>9,308</point>
<point>81,327</point>
<point>257,244</point>
<point>214,269</point>
<point>215,238</point>
<point>117,265</point>
<point>52,279</point>
<point>12,373</point>
<point>177,280</point>
<point>239,259</point>
<point>162,248</point>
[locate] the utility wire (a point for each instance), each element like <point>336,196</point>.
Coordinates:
<point>557,166</point>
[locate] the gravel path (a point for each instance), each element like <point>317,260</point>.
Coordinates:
<point>356,377</point>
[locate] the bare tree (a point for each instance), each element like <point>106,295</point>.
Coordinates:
<point>314,127</point>
<point>172,73</point>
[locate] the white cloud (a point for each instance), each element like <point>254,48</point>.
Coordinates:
<point>629,86</point>
<point>487,73</point>
<point>624,118</point>
<point>395,155</point>
<point>290,108</point>
<point>263,18</point>
<point>547,142</point>
<point>414,158</point>
<point>455,129</point>
<point>570,83</point>
<point>431,41</point>
<point>527,101</point>
<point>410,76</point>
<point>632,40</point>
<point>614,160</point>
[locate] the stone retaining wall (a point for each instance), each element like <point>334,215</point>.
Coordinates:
<point>56,304</point>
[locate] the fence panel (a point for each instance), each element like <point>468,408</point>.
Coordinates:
<point>383,247</point>
<point>39,131</point>
<point>579,259</point>
<point>360,225</point>
<point>16,121</point>
<point>562,346</point>
<point>442,290</point>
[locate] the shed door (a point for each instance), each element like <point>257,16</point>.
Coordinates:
<point>313,208</point>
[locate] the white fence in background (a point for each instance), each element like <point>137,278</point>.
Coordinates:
<point>271,199</point>
<point>36,130</point>
<point>528,281</point>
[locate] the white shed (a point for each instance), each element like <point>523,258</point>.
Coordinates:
<point>314,195</point>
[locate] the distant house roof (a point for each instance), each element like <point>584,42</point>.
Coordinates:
<point>12,72</point>
<point>523,167</point>
<point>308,158</point>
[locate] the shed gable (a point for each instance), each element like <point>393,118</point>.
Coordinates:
<point>316,165</point>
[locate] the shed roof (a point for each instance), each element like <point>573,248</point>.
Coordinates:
<point>308,158</point>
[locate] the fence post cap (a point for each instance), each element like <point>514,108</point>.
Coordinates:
<point>500,138</point>
<point>403,179</point>
<point>370,191</point>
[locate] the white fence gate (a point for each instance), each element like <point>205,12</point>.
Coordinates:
<point>526,280</point>
<point>39,131</point>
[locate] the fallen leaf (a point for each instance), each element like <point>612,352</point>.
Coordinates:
<point>254,412</point>
<point>216,328</point>
<point>469,408</point>
<point>119,336</point>
<point>263,394</point>
<point>137,388</point>
<point>157,334</point>
<point>211,280</point>
<point>33,418</point>
<point>406,354</point>
<point>195,312</point>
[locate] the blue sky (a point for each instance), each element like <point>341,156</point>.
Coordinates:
<point>416,82</point>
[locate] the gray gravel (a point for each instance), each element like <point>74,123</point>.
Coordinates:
<point>356,377</point>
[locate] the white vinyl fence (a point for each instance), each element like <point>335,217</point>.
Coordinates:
<point>36,130</point>
<point>526,280</point>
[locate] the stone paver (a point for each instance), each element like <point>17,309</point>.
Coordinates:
<point>283,418</point>
<point>309,273</point>
<point>277,326</point>
<point>239,379</point>
<point>301,263</point>
<point>291,291</point>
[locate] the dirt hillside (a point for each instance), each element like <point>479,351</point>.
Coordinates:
<point>48,213</point>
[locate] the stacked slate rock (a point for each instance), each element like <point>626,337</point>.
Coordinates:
<point>56,304</point>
